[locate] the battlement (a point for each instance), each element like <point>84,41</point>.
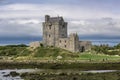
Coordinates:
<point>55,34</point>
<point>53,19</point>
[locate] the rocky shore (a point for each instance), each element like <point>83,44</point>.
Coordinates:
<point>59,65</point>
<point>72,76</point>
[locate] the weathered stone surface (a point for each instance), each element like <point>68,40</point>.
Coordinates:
<point>35,44</point>
<point>55,34</point>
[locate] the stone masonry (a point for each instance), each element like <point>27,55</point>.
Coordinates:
<point>55,34</point>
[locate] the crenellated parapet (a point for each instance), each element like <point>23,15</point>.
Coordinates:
<point>55,34</point>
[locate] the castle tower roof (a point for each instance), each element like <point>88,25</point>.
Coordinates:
<point>54,19</point>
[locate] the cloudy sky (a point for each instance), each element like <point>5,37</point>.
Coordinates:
<point>89,18</point>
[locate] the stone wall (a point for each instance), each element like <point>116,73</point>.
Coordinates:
<point>73,42</point>
<point>55,34</point>
<point>85,45</point>
<point>63,43</point>
<point>34,44</point>
<point>53,29</point>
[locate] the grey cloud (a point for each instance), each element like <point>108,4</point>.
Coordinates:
<point>98,26</point>
<point>86,27</point>
<point>3,2</point>
<point>26,20</point>
<point>38,10</point>
<point>15,29</point>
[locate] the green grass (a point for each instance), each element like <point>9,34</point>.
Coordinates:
<point>13,51</point>
<point>47,52</point>
<point>51,53</point>
<point>88,56</point>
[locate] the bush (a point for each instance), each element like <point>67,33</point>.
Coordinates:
<point>13,51</point>
<point>20,45</point>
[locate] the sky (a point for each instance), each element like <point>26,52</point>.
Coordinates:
<point>94,19</point>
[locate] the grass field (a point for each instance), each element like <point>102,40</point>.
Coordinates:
<point>51,53</point>
<point>98,57</point>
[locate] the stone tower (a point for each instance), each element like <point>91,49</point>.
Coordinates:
<point>53,29</point>
<point>73,42</point>
<point>55,34</point>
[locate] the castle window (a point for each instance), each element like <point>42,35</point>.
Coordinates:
<point>50,24</point>
<point>49,35</point>
<point>60,41</point>
<point>65,41</point>
<point>65,46</point>
<point>62,35</point>
<point>63,26</point>
<point>49,27</point>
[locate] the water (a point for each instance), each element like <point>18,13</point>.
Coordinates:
<point>7,71</point>
<point>110,42</point>
<point>14,42</point>
<point>99,71</point>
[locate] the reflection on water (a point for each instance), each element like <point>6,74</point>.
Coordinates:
<point>5,74</point>
<point>99,71</point>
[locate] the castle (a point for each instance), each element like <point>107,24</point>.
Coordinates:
<point>55,34</point>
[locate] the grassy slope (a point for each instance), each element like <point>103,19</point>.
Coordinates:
<point>14,51</point>
<point>52,53</point>
<point>49,53</point>
<point>98,57</point>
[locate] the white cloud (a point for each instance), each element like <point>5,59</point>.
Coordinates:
<point>33,27</point>
<point>81,22</point>
<point>97,26</point>
<point>39,10</point>
<point>26,19</point>
<point>18,28</point>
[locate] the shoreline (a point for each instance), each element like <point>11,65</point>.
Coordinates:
<point>55,64</point>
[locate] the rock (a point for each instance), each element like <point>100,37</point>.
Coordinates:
<point>6,75</point>
<point>3,72</point>
<point>14,74</point>
<point>59,57</point>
